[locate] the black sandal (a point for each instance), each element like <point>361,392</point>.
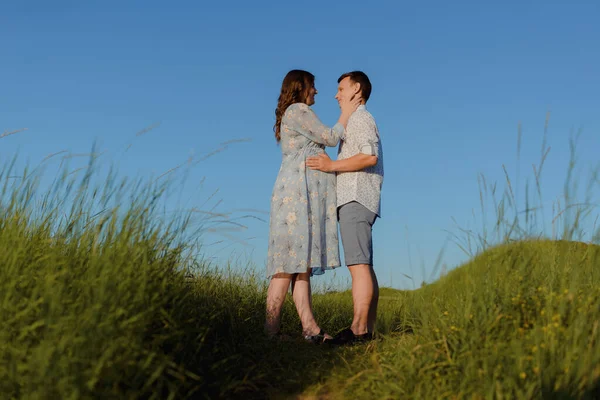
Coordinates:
<point>347,337</point>
<point>316,339</point>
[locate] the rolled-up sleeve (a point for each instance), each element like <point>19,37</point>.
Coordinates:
<point>366,136</point>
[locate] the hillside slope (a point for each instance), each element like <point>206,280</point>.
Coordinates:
<point>518,321</point>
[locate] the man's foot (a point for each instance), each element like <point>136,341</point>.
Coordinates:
<point>347,337</point>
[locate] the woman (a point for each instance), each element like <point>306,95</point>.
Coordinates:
<point>303,237</point>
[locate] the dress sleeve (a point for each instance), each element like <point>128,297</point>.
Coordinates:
<point>301,118</point>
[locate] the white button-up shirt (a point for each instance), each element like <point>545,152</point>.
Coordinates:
<point>364,187</point>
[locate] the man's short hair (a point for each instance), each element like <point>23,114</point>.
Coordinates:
<point>363,79</point>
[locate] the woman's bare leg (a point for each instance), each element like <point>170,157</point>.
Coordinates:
<point>301,292</point>
<point>278,288</point>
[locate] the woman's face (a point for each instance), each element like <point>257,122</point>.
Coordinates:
<point>310,97</point>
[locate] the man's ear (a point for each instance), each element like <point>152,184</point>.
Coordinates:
<point>356,88</point>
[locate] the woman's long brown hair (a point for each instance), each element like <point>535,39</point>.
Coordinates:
<point>294,89</point>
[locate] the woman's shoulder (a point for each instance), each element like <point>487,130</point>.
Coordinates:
<point>297,107</point>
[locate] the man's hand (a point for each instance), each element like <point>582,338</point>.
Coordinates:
<point>358,162</point>
<point>322,162</point>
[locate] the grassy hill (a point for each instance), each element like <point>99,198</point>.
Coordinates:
<point>88,319</point>
<point>519,321</point>
<point>95,305</point>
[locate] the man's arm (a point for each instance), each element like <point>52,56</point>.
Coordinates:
<point>366,136</point>
<point>352,164</point>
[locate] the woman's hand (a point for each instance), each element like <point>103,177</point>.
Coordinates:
<point>348,106</point>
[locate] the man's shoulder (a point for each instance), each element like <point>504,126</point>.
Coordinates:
<point>361,121</point>
<point>362,115</point>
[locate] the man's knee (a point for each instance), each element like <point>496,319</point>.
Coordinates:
<point>362,269</point>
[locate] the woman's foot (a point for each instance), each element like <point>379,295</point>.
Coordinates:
<point>271,329</point>
<point>318,338</point>
<point>273,332</point>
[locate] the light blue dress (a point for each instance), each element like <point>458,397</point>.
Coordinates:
<point>303,223</point>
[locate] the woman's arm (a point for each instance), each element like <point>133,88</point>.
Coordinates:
<point>301,118</point>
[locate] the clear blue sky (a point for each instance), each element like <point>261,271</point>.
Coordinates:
<point>451,83</point>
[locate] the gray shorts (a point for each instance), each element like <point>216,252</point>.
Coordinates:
<point>356,227</point>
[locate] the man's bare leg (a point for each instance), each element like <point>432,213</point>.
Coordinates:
<point>374,302</point>
<point>356,224</point>
<point>365,293</point>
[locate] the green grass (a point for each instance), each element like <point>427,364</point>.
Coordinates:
<point>520,321</point>
<point>97,302</point>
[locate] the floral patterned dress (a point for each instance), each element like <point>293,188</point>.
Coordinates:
<point>303,223</point>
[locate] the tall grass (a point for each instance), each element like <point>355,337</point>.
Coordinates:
<point>86,287</point>
<point>102,297</point>
<point>519,321</point>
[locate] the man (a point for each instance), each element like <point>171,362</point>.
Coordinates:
<point>359,170</point>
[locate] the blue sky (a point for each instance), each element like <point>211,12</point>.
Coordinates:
<point>452,81</point>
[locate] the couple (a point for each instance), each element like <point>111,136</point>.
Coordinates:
<point>308,201</point>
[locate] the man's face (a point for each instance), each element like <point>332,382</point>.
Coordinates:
<point>347,89</point>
